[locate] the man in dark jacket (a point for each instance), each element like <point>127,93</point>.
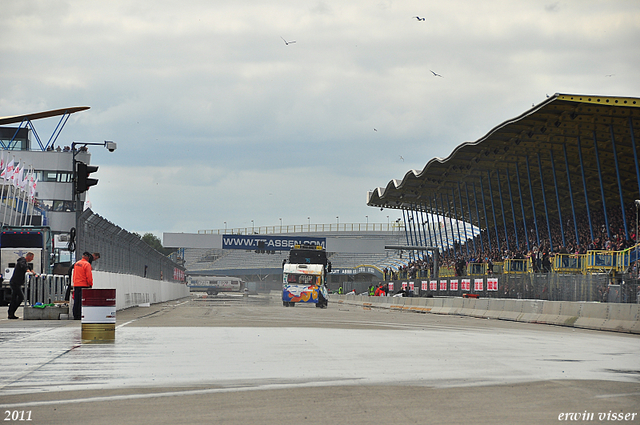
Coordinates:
<point>16,282</point>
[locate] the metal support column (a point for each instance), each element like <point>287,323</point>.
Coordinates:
<point>524,218</point>
<point>493,211</point>
<point>473,236</point>
<point>406,233</point>
<point>573,209</point>
<point>428,222</point>
<point>533,202</point>
<point>475,198</point>
<point>455,214</point>
<point>555,184</point>
<point>442,246</point>
<point>584,184</point>
<point>453,240</point>
<point>486,220</point>
<point>604,204</point>
<point>615,160</point>
<point>635,152</point>
<point>504,219</point>
<point>464,222</point>
<point>544,200</point>
<point>513,212</point>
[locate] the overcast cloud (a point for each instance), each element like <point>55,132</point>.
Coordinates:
<point>218,120</point>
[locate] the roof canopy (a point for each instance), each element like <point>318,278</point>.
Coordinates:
<point>570,148</point>
<point>25,119</point>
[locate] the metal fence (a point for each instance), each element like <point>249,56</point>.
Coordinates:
<point>551,286</point>
<point>122,252</point>
<point>45,289</point>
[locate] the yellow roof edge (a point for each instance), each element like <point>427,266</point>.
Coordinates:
<point>601,100</point>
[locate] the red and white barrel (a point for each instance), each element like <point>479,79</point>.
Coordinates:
<point>98,314</point>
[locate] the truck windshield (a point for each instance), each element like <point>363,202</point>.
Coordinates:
<point>308,256</point>
<point>303,279</point>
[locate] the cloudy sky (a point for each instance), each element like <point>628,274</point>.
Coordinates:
<point>218,120</point>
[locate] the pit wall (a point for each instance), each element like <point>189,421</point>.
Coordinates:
<point>132,291</point>
<point>586,315</point>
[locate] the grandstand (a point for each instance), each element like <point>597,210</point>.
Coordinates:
<point>550,192</point>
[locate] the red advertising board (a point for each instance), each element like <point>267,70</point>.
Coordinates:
<point>492,284</point>
<point>453,284</point>
<point>478,285</point>
<point>466,284</point>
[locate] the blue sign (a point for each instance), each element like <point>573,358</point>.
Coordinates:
<point>269,243</point>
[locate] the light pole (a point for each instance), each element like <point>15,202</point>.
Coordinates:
<point>253,228</point>
<point>111,146</point>
<point>225,227</point>
<point>280,224</point>
<point>308,224</point>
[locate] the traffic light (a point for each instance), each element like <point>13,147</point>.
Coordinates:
<point>83,182</point>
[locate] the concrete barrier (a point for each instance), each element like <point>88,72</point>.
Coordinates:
<point>512,310</point>
<point>587,315</point>
<point>550,313</point>
<point>531,310</point>
<point>621,317</point>
<point>495,307</point>
<point>592,316</point>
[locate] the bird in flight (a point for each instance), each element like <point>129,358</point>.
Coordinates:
<point>287,42</point>
<point>419,18</point>
<point>436,75</point>
<point>401,158</point>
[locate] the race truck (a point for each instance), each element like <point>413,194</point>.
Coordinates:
<point>15,242</point>
<point>214,284</point>
<point>304,276</point>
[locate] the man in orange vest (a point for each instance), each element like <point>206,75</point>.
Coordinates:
<point>82,278</point>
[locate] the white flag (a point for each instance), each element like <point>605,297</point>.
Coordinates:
<point>33,183</point>
<point>8,171</point>
<point>17,175</point>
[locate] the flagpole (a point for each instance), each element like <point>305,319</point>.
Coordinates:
<point>32,196</point>
<point>2,167</point>
<point>15,195</point>
<point>24,206</point>
<point>6,173</point>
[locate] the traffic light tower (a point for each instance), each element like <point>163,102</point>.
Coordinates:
<point>83,182</point>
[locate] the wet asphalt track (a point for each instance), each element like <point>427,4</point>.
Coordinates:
<point>230,359</point>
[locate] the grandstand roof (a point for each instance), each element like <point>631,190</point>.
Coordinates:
<point>541,143</point>
<point>39,115</point>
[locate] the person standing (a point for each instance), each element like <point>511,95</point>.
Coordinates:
<point>82,278</point>
<point>16,282</point>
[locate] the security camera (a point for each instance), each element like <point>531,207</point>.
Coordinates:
<point>111,146</point>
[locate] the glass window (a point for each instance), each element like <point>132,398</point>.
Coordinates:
<point>50,176</point>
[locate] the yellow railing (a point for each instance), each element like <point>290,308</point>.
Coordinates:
<point>568,263</point>
<point>517,265</point>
